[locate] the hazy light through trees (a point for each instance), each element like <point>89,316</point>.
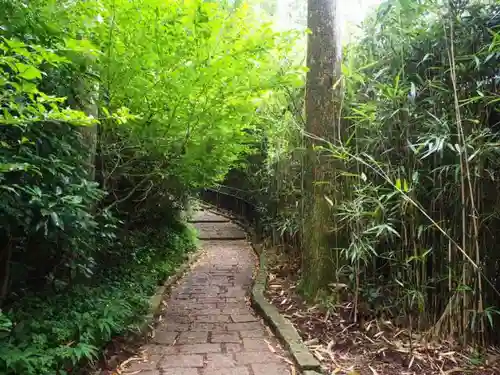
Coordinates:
<point>293,14</point>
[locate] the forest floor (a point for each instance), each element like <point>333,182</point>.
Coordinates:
<point>366,347</point>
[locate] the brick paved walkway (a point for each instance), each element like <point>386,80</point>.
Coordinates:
<point>208,327</point>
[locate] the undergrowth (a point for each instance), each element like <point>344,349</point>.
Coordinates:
<point>58,333</point>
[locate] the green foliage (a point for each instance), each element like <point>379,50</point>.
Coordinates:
<point>46,197</point>
<point>111,113</point>
<point>422,161</point>
<point>414,182</point>
<point>196,75</point>
<point>21,69</point>
<point>53,334</point>
<point>49,230</point>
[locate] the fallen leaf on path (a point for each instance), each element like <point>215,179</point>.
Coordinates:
<point>411,361</point>
<point>271,348</point>
<point>454,370</point>
<point>286,360</point>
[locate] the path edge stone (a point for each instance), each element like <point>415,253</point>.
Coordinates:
<point>155,301</point>
<point>281,326</point>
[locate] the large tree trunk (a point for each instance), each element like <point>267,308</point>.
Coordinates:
<point>322,101</point>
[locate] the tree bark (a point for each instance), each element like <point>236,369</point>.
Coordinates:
<point>322,125</point>
<point>324,63</point>
<point>88,96</point>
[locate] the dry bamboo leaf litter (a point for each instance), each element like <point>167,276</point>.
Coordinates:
<point>375,347</point>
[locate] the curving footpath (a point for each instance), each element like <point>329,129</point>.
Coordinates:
<point>208,327</point>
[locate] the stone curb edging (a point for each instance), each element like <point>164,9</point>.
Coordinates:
<point>282,327</point>
<point>156,300</point>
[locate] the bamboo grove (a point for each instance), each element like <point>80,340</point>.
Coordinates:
<point>423,193</point>
<point>413,184</point>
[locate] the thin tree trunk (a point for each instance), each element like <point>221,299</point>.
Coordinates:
<point>4,291</point>
<point>87,101</point>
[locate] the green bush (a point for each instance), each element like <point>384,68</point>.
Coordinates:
<point>48,333</point>
<point>67,283</point>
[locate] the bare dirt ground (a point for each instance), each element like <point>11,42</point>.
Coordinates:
<point>370,347</point>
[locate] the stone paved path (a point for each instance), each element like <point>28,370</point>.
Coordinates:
<point>208,328</point>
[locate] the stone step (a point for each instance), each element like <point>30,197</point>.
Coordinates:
<point>220,231</point>
<point>208,217</point>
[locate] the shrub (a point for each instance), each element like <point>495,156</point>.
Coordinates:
<point>47,333</point>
